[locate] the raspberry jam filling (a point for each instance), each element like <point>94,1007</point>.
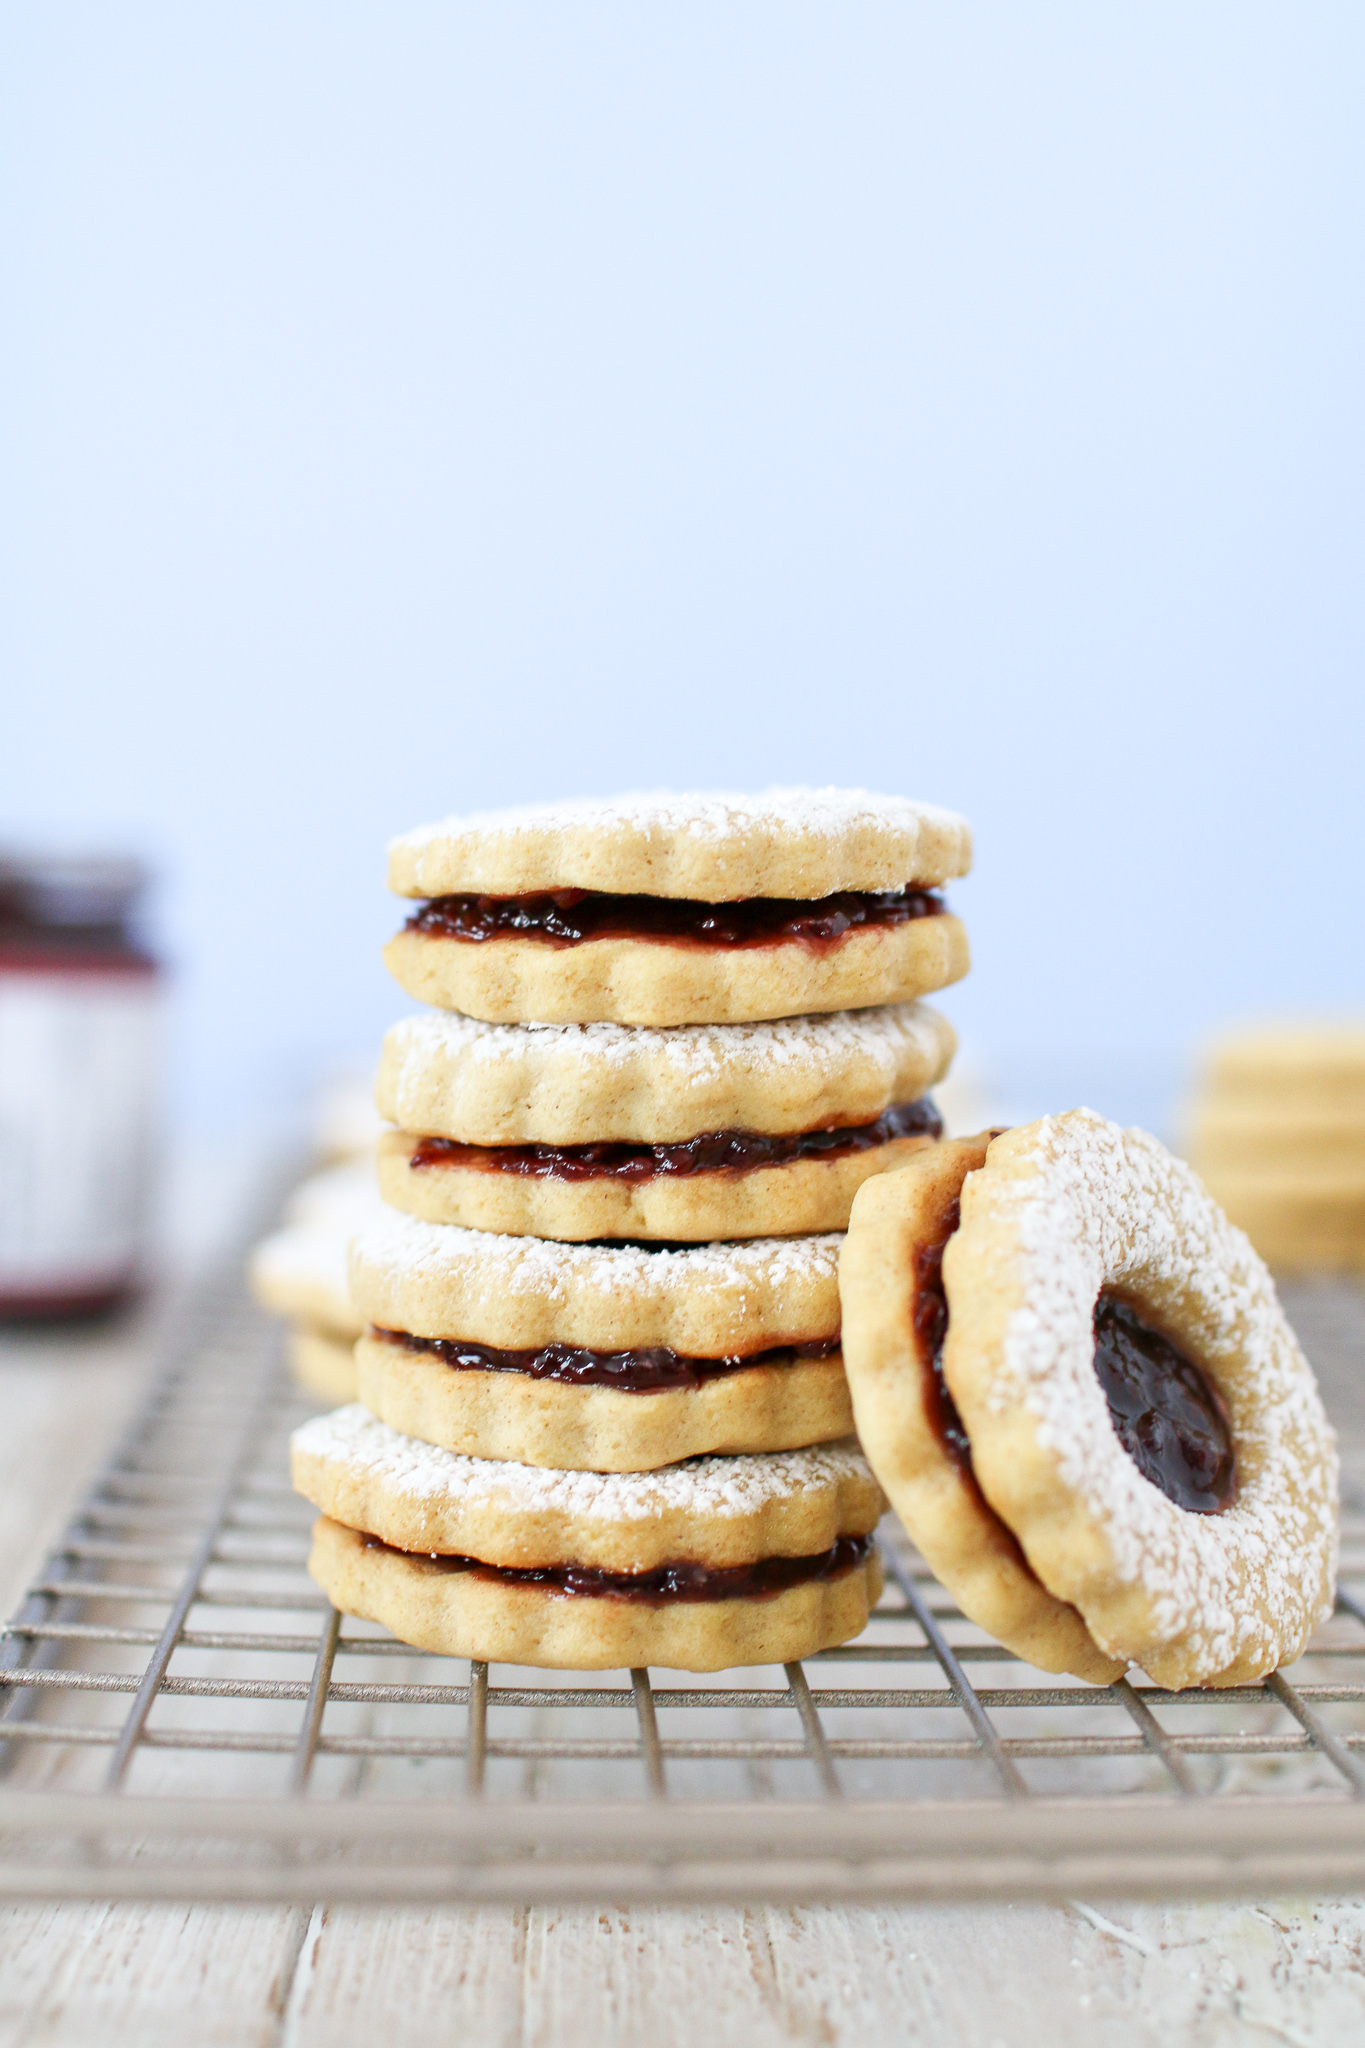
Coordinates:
<point>713,1152</point>
<point>566,917</point>
<point>931,1327</point>
<point>1166,1412</point>
<point>682,1580</point>
<point>630,1372</point>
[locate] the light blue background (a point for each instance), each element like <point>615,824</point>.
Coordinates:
<point>413,408</point>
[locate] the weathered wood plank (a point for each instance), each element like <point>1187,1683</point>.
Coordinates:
<point>157,1976</point>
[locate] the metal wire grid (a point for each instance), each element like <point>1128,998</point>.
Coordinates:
<point>172,1687</point>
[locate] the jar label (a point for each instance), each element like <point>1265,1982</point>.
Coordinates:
<point>77,1092</point>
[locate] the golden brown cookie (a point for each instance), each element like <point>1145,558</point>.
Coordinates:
<point>639,980</point>
<point>712,848</point>
<point>1139,1412</point>
<point>794,1526</point>
<point>526,1193</point>
<point>522,1293</point>
<point>472,1613</point>
<point>715,1511</point>
<point>1278,1137</point>
<point>669,910</point>
<point>777,1402</point>
<point>1299,1223</point>
<point>450,1076</point>
<point>1305,1068</point>
<point>894,1322</point>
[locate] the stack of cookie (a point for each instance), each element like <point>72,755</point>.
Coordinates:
<point>603,1418</point>
<point>1279,1138</point>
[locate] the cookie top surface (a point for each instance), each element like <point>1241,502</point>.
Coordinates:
<point>709,848</point>
<point>401,1249</point>
<point>567,1084</point>
<point>704,1300</point>
<point>713,1487</point>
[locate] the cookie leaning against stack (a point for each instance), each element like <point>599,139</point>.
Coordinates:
<point>1076,1384</point>
<point>686,1025</point>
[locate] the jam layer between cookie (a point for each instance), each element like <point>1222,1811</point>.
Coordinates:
<point>683,1580</point>
<point>931,1327</point>
<point>568,917</point>
<point>653,1371</point>
<point>713,1152</point>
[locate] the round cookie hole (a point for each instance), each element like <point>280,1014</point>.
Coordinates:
<point>1166,1410</point>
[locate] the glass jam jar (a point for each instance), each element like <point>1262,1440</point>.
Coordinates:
<point>79,1017</point>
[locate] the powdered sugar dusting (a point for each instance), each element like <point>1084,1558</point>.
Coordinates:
<point>694,1054</point>
<point>403,1247</point>
<point>710,1487</point>
<point>1108,1207</point>
<point>708,818</point>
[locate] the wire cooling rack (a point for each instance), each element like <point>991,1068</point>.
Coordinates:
<point>182,1715</point>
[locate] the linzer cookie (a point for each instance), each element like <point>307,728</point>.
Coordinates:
<point>895,1320</point>
<point>1120,1388</point>
<point>715,1562</point>
<point>669,910</point>
<point>580,1131</point>
<point>610,1358</point>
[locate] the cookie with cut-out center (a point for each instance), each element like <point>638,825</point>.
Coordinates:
<point>600,1357</point>
<point>1139,1412</point>
<point>696,1132</point>
<point>666,910</point>
<point>714,1562</point>
<point>895,1320</point>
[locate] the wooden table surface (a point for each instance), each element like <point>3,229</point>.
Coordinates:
<point>1289,1970</point>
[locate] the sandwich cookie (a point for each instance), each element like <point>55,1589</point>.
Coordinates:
<point>895,1320</point>
<point>1136,1409</point>
<point>693,1132</point>
<point>607,1358</point>
<point>712,1563</point>
<point>681,909</point>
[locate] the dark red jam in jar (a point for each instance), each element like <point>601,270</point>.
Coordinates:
<point>569,916</point>
<point>79,1011</point>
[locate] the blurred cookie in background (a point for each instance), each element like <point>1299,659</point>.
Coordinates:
<point>346,1124</point>
<point>1278,1135</point>
<point>299,1272</point>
